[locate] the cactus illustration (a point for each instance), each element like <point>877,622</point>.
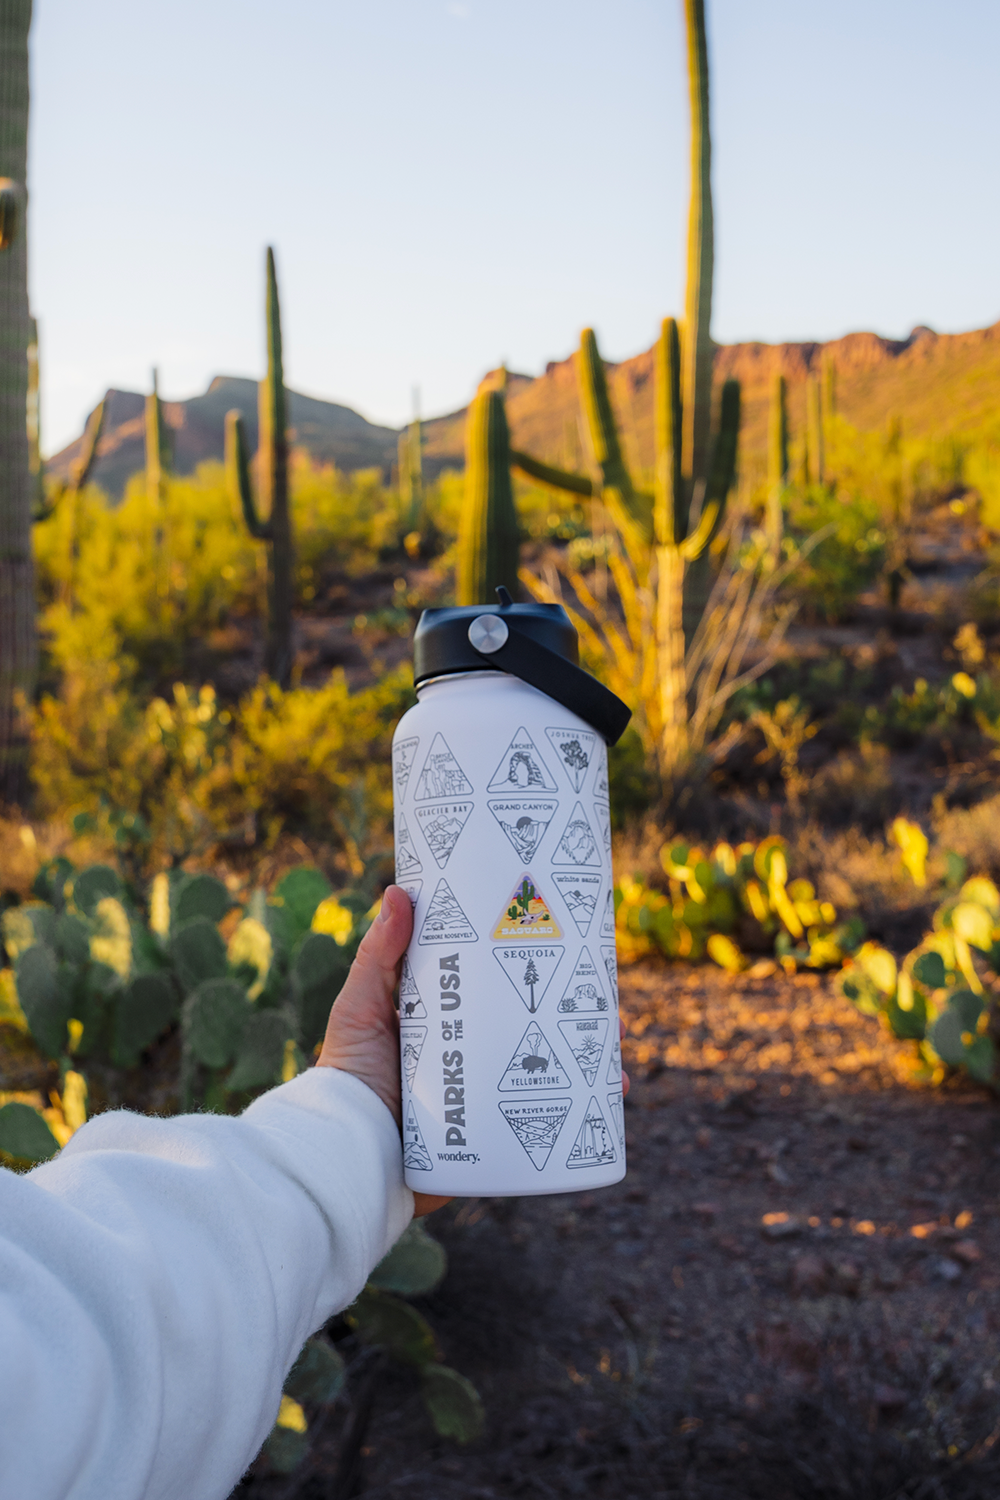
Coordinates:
<point>488,539</point>
<point>777,464</point>
<point>272,489</point>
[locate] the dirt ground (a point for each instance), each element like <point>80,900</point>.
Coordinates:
<point>795,1292</point>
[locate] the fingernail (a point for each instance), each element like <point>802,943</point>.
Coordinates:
<point>383,911</point>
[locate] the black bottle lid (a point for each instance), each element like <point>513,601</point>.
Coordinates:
<point>536,642</point>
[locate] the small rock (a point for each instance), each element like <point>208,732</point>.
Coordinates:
<point>889,1278</point>
<point>967,1251</point>
<point>946,1269</point>
<point>706,1211</point>
<point>637,1195</point>
<point>810,1275</point>
<point>780,1226</point>
<point>703,1137</point>
<point>890,1397</point>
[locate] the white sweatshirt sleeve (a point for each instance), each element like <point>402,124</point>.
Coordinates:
<point>159,1277</point>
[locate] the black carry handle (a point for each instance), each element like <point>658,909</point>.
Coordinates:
<point>553,675</point>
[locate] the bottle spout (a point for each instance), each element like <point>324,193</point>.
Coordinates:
<point>503,594</point>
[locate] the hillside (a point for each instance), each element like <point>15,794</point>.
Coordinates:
<point>331,434</point>
<point>939,384</point>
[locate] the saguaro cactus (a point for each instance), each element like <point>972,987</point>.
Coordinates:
<point>18,647</point>
<point>488,541</point>
<point>411,480</point>
<point>777,463</point>
<point>272,488</point>
<point>815,438</point>
<point>157,445</point>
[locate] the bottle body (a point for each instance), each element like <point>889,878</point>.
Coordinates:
<point>510,1055</point>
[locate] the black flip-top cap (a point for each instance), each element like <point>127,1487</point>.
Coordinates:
<point>536,642</point>
<point>441,642</point>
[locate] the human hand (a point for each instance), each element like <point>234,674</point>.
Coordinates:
<point>362,1034</point>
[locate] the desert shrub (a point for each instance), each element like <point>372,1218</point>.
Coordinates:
<point>193,772</point>
<point>720,903</point>
<point>144,579</point>
<point>938,997</point>
<point>856,787</point>
<point>847,560</point>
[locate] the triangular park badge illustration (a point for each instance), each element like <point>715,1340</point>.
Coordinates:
<point>534,1065</point>
<point>577,844</point>
<point>412,1040</point>
<point>580,892</point>
<point>445,921</point>
<point>441,827</point>
<point>608,919</point>
<point>575,749</point>
<point>416,1156</point>
<point>526,915</point>
<point>529,969</point>
<point>602,813</point>
<point>403,752</point>
<point>536,1123</point>
<point>585,990</point>
<point>601,778</point>
<point>407,858</point>
<point>412,889</point>
<point>594,1146</point>
<point>615,1064</point>
<point>411,1007</point>
<point>616,1107</point>
<point>585,1039</point>
<point>610,956</point>
<point>442,776</point>
<point>524,821</point>
<point>521,768</point>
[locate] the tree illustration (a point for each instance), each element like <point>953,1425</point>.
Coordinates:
<point>529,981</point>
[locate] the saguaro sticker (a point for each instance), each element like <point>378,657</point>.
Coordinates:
<point>441,827</point>
<point>536,1124</point>
<point>522,768</point>
<point>445,921</point>
<point>524,821</point>
<point>533,1066</point>
<point>575,748</point>
<point>529,970</point>
<point>527,914</point>
<point>442,776</point>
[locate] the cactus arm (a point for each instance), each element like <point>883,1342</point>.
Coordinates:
<point>777,465</point>
<point>605,442</point>
<point>157,454</point>
<point>554,479</point>
<point>88,449</point>
<point>694,545</point>
<point>723,470</point>
<point>238,476</point>
<point>697,351</point>
<point>669,510</point>
<point>488,539</point>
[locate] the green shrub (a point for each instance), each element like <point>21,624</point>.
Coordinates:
<point>845,562</point>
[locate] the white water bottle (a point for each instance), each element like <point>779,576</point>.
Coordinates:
<point>508,1006</point>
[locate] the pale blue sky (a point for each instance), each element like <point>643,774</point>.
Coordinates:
<point>450,184</point>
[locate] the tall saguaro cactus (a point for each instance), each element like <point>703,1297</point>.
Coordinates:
<point>488,541</point>
<point>697,352</point>
<point>157,445</point>
<point>18,645</point>
<point>272,488</point>
<point>777,463</point>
